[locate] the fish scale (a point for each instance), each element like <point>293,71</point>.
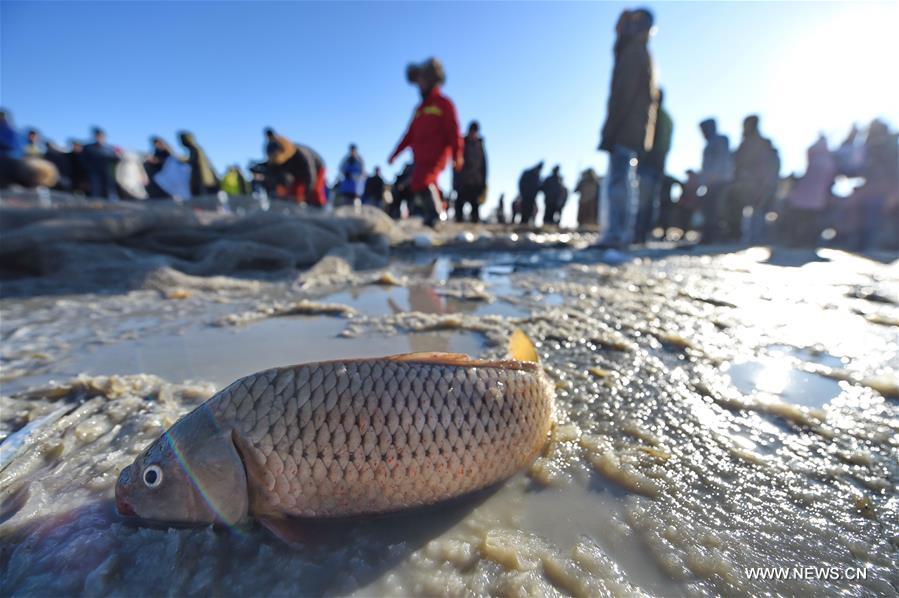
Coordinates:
<point>368,436</point>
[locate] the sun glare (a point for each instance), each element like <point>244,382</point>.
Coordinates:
<point>838,72</point>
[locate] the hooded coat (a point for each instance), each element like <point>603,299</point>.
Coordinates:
<point>633,99</point>
<point>202,178</point>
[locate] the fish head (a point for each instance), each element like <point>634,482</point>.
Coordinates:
<point>191,475</point>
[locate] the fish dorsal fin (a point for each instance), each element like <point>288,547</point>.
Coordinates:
<point>434,357</point>
<point>521,348</point>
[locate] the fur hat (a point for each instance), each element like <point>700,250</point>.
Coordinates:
<point>432,70</point>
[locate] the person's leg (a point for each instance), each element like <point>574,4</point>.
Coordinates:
<point>622,196</point>
<point>460,205</point>
<point>644,206</point>
<point>528,203</point>
<point>616,197</point>
<point>475,200</point>
<point>425,205</point>
<point>710,214</point>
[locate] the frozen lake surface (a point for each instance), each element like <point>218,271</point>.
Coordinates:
<point>716,412</point>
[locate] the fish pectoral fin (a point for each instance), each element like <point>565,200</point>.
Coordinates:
<point>285,529</point>
<point>521,348</point>
<point>433,357</point>
<point>258,505</point>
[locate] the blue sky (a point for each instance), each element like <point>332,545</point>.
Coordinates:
<point>535,74</point>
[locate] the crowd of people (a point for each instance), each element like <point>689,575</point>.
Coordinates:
<point>735,195</point>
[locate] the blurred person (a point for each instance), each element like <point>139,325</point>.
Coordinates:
<point>756,175</point>
<point>470,182</point>
<point>554,196</point>
<point>17,168</point>
<point>651,172</point>
<point>588,198</point>
<point>516,210</point>
<point>667,203</point>
<point>153,164</point>
<point>234,183</point>
<point>433,136</point>
<point>80,179</point>
<point>373,191</point>
<point>630,121</point>
<point>352,177</point>
<point>100,160</point>
<point>850,156</point>
<point>501,209</point>
<point>311,175</point>
<point>688,203</point>
<point>203,180</point>
<point>402,192</point>
<point>282,157</point>
<point>59,157</point>
<point>810,196</point>
<point>11,145</point>
<point>874,200</point>
<point>33,144</point>
<point>715,176</point>
<point>294,170</point>
<point>528,188</point>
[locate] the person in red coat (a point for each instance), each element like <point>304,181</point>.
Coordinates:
<point>434,138</point>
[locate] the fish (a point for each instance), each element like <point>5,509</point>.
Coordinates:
<point>345,438</point>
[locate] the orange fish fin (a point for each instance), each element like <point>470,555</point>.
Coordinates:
<point>434,357</point>
<point>285,529</point>
<point>521,348</point>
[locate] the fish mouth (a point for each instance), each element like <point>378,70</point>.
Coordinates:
<point>122,505</point>
<point>124,508</point>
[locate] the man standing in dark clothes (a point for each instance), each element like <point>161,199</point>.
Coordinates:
<point>630,121</point>
<point>433,136</point>
<point>528,187</point>
<point>402,192</point>
<point>756,175</point>
<point>373,193</point>
<point>81,183</point>
<point>716,175</point>
<point>471,182</point>
<point>554,196</point>
<point>100,159</point>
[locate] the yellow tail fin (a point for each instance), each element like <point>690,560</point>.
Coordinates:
<point>521,348</point>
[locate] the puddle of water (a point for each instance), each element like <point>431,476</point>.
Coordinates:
<point>808,355</point>
<point>781,379</point>
<point>221,355</point>
<point>563,515</point>
<point>382,301</point>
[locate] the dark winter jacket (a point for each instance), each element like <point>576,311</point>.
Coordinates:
<point>529,182</point>
<point>474,169</point>
<point>631,116</point>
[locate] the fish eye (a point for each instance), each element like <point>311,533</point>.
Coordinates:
<point>153,476</point>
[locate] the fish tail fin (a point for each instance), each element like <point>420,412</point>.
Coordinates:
<point>521,348</point>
